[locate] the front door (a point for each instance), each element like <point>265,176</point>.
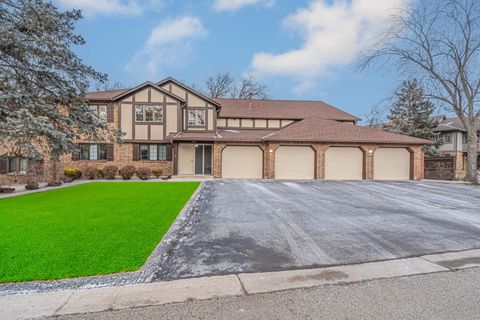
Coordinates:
<point>203,159</point>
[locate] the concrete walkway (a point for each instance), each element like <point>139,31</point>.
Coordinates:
<point>20,190</point>
<point>33,305</point>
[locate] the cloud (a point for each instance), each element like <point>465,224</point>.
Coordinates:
<point>169,44</point>
<point>232,5</point>
<point>333,33</point>
<point>104,7</point>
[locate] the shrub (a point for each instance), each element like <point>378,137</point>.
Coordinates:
<point>109,172</point>
<point>90,173</point>
<point>7,190</point>
<point>100,173</point>
<point>127,172</point>
<point>54,183</point>
<point>72,173</point>
<point>144,173</point>
<point>31,185</point>
<point>157,172</point>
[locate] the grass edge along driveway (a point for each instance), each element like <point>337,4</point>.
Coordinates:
<point>90,229</point>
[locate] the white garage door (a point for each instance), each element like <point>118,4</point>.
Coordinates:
<point>294,162</point>
<point>343,163</point>
<point>242,162</point>
<point>391,164</point>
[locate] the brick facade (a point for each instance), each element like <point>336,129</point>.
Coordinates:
<point>123,155</point>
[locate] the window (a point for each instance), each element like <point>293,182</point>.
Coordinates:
<point>148,113</point>
<point>196,117</point>
<point>16,165</point>
<point>100,111</point>
<point>447,137</point>
<point>153,152</point>
<point>464,138</point>
<point>93,152</point>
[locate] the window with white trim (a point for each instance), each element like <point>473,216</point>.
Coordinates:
<point>153,152</point>
<point>93,152</point>
<point>100,111</point>
<point>148,113</point>
<point>196,117</point>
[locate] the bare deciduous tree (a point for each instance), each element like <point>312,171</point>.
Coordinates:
<point>440,40</point>
<point>250,88</point>
<point>219,86</point>
<point>223,85</point>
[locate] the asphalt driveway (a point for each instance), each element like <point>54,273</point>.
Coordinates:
<point>257,226</point>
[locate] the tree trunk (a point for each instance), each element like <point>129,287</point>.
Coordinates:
<point>54,168</point>
<point>472,153</point>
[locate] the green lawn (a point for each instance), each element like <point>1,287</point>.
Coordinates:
<point>90,229</point>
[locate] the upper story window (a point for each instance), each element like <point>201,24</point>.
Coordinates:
<point>447,137</point>
<point>464,138</point>
<point>150,113</point>
<point>153,152</point>
<point>93,152</point>
<point>100,111</point>
<point>196,117</point>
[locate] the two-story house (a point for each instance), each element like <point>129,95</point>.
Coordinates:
<point>454,142</point>
<point>173,127</point>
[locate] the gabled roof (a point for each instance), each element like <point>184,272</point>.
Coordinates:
<point>452,124</point>
<point>105,95</point>
<point>318,129</point>
<point>281,109</point>
<point>113,95</point>
<point>185,87</point>
<point>148,84</point>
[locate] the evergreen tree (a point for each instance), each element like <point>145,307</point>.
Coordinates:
<point>43,82</point>
<point>411,114</point>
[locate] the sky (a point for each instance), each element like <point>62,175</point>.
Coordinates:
<point>301,49</point>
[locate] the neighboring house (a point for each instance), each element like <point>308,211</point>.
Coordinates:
<point>454,142</point>
<point>170,126</point>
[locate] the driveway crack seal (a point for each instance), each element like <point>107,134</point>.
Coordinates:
<point>63,304</point>
<point>244,291</point>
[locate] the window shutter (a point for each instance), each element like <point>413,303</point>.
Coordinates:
<point>110,154</point>
<point>136,152</point>
<point>169,152</point>
<point>76,153</point>
<point>3,165</point>
<point>110,113</point>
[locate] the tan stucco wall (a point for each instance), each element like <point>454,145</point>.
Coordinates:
<point>141,132</point>
<point>156,132</point>
<point>126,121</point>
<point>171,119</point>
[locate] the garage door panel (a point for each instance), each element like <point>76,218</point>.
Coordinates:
<point>294,162</point>
<point>344,163</point>
<point>391,164</point>
<point>242,162</point>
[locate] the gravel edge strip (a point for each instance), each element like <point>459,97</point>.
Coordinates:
<point>146,273</point>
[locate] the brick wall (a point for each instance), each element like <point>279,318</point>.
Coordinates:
<point>123,155</point>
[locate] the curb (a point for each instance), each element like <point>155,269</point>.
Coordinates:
<point>63,302</point>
